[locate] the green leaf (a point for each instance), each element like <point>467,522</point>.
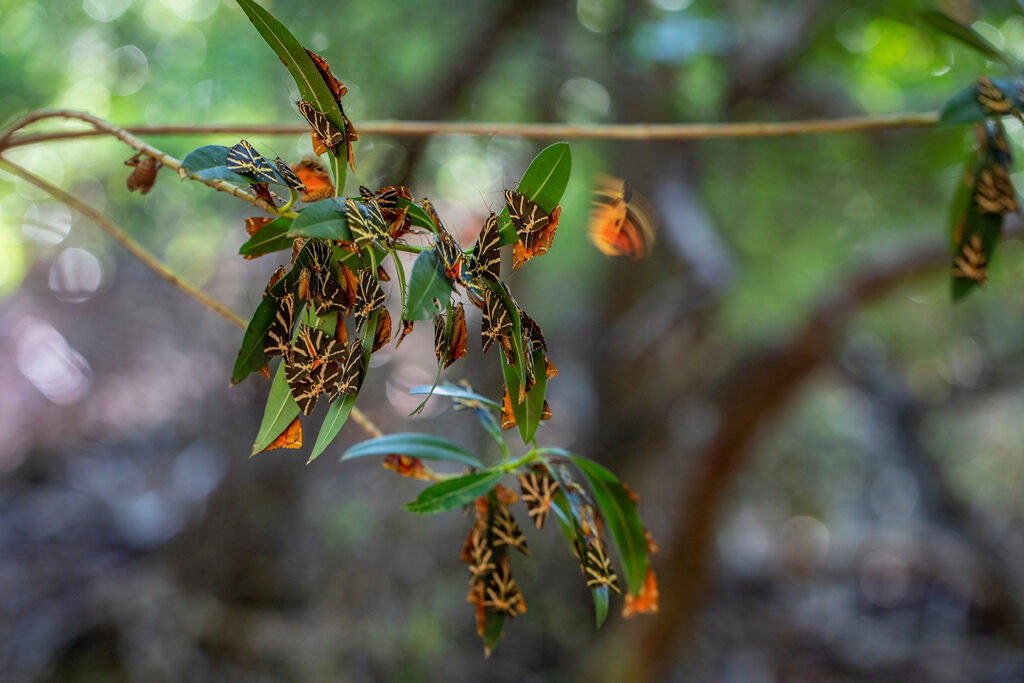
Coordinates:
<point>210,163</point>
<point>543,183</point>
<point>427,283</point>
<point>400,273</point>
<point>341,407</point>
<point>337,416</point>
<point>963,107</point>
<point>417,216</point>
<point>455,391</point>
<point>280,411</point>
<point>307,77</point>
<point>425,446</point>
<point>940,21</point>
<point>453,493</point>
<point>324,219</point>
<point>528,412</point>
<point>494,624</point>
<point>271,237</point>
<point>250,355</point>
<point>621,518</point>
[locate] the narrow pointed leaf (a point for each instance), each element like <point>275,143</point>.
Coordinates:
<point>424,446</point>
<point>565,522</point>
<point>452,493</point>
<point>280,411</point>
<point>427,283</point>
<point>455,391</point>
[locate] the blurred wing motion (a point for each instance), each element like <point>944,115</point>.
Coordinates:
<point>618,227</point>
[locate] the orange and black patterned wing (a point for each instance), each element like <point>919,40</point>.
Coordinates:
<point>289,176</point>
<point>315,178</point>
<point>502,594</point>
<point>242,158</point>
<point>506,531</point>
<point>526,216</point>
<point>351,371</point>
<point>365,221</point>
<point>306,389</point>
<point>406,329</point>
<point>336,87</point>
<point>279,336</point>
<point>383,334</point>
<point>487,252</point>
<point>448,253</point>
<point>369,297</point>
<point>327,132</point>
<point>618,228</point>
<point>538,491</point>
<point>457,338</point>
<point>495,322</point>
<point>597,568</point>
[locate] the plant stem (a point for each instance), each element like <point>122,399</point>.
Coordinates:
<point>532,455</point>
<point>398,246</point>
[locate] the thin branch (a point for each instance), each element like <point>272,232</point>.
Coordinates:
<point>545,131</point>
<point>102,127</point>
<point>153,263</point>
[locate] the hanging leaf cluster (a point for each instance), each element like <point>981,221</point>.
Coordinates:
<point>594,510</point>
<point>986,194</point>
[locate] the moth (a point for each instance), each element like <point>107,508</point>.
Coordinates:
<point>351,372</point>
<point>290,179</point>
<point>506,531</point>
<point>972,261</point>
<point>597,568</point>
<point>538,491</point>
<point>495,322</point>
<point>369,297</point>
<point>450,343</point>
<point>618,227</point>
<point>502,593</point>
<point>279,336</point>
<point>243,159</point>
<point>325,131</point>
<point>479,555</point>
<point>337,88</point>
<point>306,388</point>
<point>365,222</point>
<point>312,350</point>
<point>527,217</point>
<point>992,100</point>
<point>487,251</point>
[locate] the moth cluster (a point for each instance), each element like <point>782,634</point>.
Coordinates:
<point>987,191</point>
<point>493,591</point>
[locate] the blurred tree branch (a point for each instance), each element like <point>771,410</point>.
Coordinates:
<point>758,388</point>
<point>544,131</point>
